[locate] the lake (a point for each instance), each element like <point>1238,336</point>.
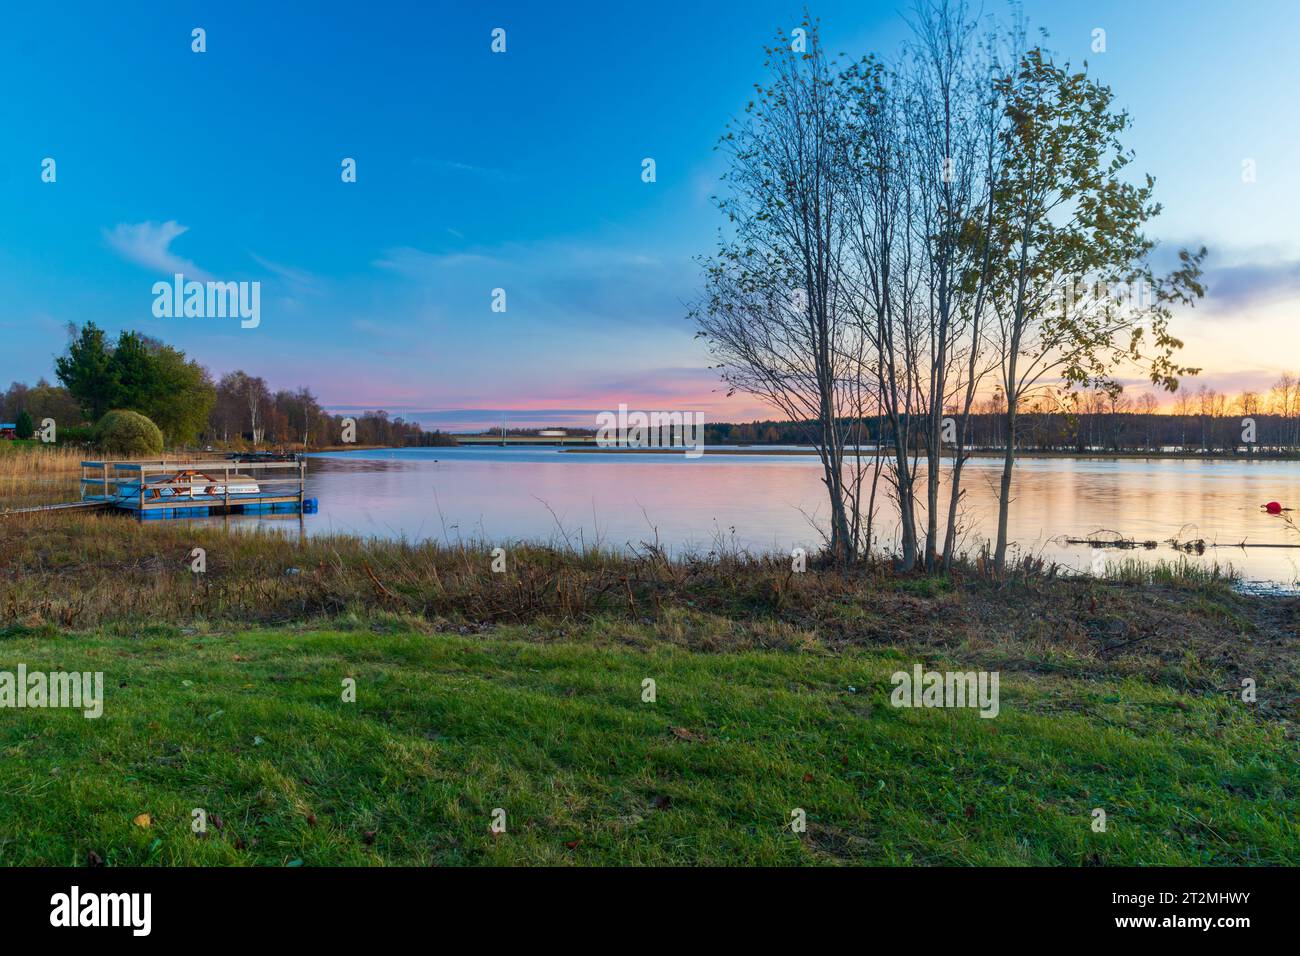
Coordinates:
<point>775,502</point>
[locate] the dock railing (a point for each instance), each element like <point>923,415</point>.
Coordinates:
<point>109,477</point>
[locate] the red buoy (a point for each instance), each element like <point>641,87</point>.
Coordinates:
<point>1273,508</point>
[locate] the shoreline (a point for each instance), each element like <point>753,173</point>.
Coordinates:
<point>240,674</point>
<point>981,453</point>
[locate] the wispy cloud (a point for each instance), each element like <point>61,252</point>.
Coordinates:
<point>149,244</point>
<point>299,280</point>
<point>1239,277</point>
<point>418,264</point>
<point>485,172</point>
<point>1248,284</point>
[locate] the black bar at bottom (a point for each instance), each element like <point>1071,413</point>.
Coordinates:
<point>333,905</point>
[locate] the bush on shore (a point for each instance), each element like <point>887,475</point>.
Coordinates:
<point>128,433</point>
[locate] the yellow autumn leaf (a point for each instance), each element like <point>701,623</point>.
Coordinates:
<point>143,820</point>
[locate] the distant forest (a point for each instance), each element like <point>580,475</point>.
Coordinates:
<point>1202,420</point>
<point>138,372</point>
<point>1199,420</point>
<point>192,408</point>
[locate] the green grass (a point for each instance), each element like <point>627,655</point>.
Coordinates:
<point>251,727</point>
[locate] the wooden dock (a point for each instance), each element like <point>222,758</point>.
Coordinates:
<point>160,488</point>
<point>66,506</point>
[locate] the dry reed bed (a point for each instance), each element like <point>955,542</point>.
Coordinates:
<point>76,570</point>
<point>37,475</point>
<point>43,474</point>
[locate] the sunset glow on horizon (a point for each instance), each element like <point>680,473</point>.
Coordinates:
<point>477,173</point>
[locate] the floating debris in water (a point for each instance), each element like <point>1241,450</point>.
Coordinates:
<point>1096,540</point>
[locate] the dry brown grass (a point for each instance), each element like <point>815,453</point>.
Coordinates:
<point>38,475</point>
<point>90,571</point>
<point>43,474</point>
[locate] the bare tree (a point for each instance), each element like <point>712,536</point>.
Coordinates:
<point>240,397</point>
<point>953,125</point>
<point>1183,409</point>
<point>885,278</point>
<point>773,312</point>
<point>1147,406</point>
<point>1286,403</point>
<point>921,160</point>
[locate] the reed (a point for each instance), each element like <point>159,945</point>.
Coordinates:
<point>34,474</point>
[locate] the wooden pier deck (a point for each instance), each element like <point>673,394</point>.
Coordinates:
<point>65,506</point>
<point>160,488</point>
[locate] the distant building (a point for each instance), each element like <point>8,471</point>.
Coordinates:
<point>552,433</point>
<point>8,430</point>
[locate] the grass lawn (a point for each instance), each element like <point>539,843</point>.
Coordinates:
<point>251,727</point>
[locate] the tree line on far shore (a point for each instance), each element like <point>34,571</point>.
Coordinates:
<point>1201,420</point>
<point>139,373</point>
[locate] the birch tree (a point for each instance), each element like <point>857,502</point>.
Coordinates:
<point>921,162</point>
<point>952,125</point>
<point>773,312</point>
<point>1075,293</point>
<point>885,277</point>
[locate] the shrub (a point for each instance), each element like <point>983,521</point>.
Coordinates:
<point>77,435</point>
<point>128,433</point>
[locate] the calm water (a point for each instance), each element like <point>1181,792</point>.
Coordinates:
<point>773,502</point>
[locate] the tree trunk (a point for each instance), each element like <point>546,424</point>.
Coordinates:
<point>932,466</point>
<point>1004,490</point>
<point>954,499</point>
<point>906,509</point>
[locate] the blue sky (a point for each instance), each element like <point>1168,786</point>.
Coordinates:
<point>522,171</point>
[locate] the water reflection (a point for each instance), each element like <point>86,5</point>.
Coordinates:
<point>775,502</point>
